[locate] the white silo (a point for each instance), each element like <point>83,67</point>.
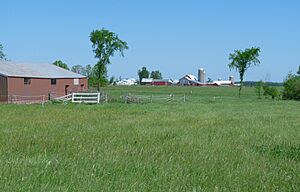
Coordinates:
<point>201,75</point>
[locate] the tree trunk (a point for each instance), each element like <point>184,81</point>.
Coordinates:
<point>240,90</point>
<point>241,85</point>
<point>99,76</point>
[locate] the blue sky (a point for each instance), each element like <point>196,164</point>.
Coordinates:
<point>175,37</point>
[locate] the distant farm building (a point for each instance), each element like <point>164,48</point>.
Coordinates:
<point>201,75</point>
<point>223,83</point>
<point>229,82</point>
<point>28,80</point>
<point>189,80</point>
<point>127,82</point>
<point>146,81</point>
<point>162,82</point>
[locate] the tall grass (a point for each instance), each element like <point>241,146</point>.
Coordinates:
<point>204,144</point>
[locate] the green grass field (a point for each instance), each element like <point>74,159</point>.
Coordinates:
<point>212,142</point>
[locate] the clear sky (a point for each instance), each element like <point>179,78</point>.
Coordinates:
<point>174,36</point>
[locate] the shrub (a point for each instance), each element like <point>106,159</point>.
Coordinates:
<point>292,87</point>
<point>271,91</point>
<point>259,88</point>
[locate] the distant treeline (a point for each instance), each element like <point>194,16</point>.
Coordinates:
<point>253,83</point>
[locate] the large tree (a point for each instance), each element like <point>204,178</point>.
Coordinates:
<point>143,73</point>
<point>242,60</point>
<point>61,64</point>
<point>88,71</point>
<point>105,45</point>
<point>156,75</point>
<point>2,55</point>
<point>78,69</point>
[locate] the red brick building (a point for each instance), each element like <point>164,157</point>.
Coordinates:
<point>36,81</point>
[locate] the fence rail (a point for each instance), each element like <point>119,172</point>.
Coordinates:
<point>131,98</point>
<point>95,98</point>
<point>21,99</point>
<point>85,97</point>
<point>92,98</point>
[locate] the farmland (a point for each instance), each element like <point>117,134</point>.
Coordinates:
<point>212,142</point>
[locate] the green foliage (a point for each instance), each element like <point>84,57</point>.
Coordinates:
<point>61,64</point>
<point>99,75</point>
<point>91,73</point>
<point>271,91</point>
<point>298,72</point>
<point>292,87</point>
<point>156,75</point>
<point>209,80</point>
<point>259,88</point>
<point>112,80</point>
<point>143,73</point>
<point>2,55</point>
<point>93,82</point>
<point>88,71</point>
<point>242,60</point>
<point>105,45</point>
<point>254,83</point>
<point>78,69</point>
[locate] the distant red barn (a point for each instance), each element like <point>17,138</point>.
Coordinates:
<point>162,82</point>
<point>25,81</point>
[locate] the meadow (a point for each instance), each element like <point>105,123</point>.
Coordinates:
<point>214,141</point>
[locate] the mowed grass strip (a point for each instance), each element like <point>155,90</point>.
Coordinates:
<point>205,144</point>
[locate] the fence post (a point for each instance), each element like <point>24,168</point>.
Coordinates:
<point>73,99</point>
<point>151,98</point>
<point>106,98</point>
<point>43,101</point>
<point>184,99</point>
<point>98,99</point>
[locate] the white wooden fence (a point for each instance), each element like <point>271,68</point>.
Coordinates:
<point>86,97</point>
<point>92,98</point>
